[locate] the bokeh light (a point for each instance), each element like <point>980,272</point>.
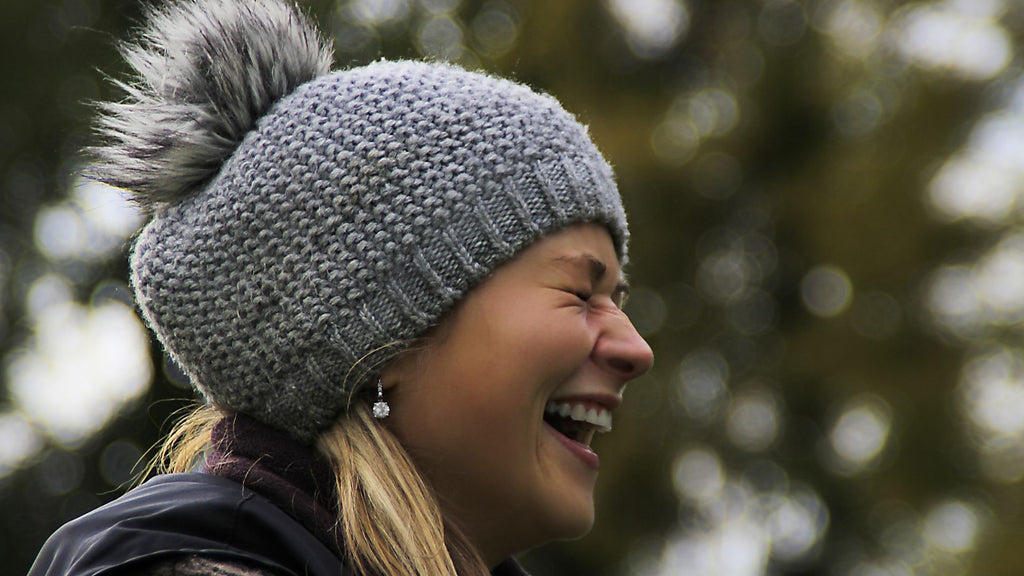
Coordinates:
<point>20,441</point>
<point>956,37</point>
<point>83,362</point>
<point>694,116</point>
<point>82,366</point>
<point>440,38</point>
<point>495,29</point>
<point>953,526</point>
<point>702,384</point>
<point>992,398</point>
<point>826,291</point>
<point>646,309</point>
<point>698,475</point>
<point>61,472</point>
<point>119,462</point>
<point>859,435</point>
<point>854,27</point>
<point>969,301</point>
<point>739,528</point>
<point>982,183</point>
<point>754,419</point>
<point>993,391</point>
<point>652,27</point>
<point>91,225</point>
<point>378,12</point>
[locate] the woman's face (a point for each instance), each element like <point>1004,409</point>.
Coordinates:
<point>543,332</point>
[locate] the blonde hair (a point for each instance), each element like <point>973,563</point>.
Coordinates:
<point>387,515</point>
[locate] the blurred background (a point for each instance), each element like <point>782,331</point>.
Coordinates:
<point>827,257</point>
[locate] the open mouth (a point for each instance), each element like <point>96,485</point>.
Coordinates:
<point>578,421</point>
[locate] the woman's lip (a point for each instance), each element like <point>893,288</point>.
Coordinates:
<point>584,453</point>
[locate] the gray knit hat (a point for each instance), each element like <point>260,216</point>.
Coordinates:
<point>307,224</point>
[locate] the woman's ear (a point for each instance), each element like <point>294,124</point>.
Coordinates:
<point>403,367</point>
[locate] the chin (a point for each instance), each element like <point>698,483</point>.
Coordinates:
<point>579,531</point>
<point>550,524</point>
<point>572,524</point>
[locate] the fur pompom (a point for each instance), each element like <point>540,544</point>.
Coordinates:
<point>206,71</point>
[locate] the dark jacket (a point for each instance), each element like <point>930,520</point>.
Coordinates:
<point>183,514</point>
<point>262,503</point>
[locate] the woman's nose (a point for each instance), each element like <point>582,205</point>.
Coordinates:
<point>622,350</point>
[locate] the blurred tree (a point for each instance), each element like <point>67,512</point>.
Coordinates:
<point>824,199</point>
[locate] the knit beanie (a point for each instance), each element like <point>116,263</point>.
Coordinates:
<point>307,224</point>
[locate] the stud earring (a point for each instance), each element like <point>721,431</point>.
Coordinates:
<point>380,407</point>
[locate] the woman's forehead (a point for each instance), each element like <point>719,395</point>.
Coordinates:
<point>588,246</point>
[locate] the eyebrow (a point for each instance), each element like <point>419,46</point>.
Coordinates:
<point>595,267</point>
<point>597,270</point>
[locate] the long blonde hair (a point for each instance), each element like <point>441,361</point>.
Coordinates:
<point>387,515</point>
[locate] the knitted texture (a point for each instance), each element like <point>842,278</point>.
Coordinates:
<point>356,213</point>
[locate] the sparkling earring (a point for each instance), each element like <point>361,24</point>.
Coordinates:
<point>380,407</point>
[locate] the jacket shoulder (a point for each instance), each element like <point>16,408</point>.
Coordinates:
<point>192,565</point>
<point>185,514</point>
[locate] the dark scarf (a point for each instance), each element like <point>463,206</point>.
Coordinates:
<point>288,473</point>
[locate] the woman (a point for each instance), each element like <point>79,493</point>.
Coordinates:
<point>397,288</point>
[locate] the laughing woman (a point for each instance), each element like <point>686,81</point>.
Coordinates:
<point>396,287</point>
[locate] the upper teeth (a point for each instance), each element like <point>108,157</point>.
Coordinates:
<point>601,418</point>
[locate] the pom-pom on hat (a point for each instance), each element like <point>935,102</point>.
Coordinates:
<point>306,225</point>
